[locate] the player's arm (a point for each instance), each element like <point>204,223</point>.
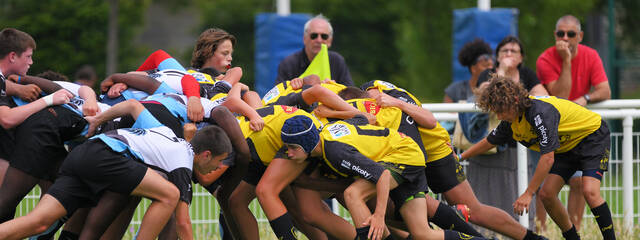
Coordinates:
<point>183,221</point>
<point>140,82</point>
<point>90,106</point>
<point>225,120</point>
<point>422,116</point>
<point>521,204</point>
<point>130,107</point>
<point>235,104</point>
<point>479,148</point>
<point>11,117</point>
<point>45,85</point>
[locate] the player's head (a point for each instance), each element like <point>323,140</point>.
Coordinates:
<point>300,136</point>
<point>16,50</point>
<point>503,96</point>
<point>214,48</point>
<point>351,92</point>
<point>210,145</point>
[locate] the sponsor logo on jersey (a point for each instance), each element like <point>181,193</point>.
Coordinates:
<point>372,107</point>
<point>338,130</point>
<point>288,109</point>
<point>544,139</point>
<point>274,92</point>
<point>537,120</point>
<point>361,171</point>
<point>345,164</point>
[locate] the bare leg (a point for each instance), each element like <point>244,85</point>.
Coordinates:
<point>4,164</point>
<point>549,195</point>
<point>102,215</point>
<point>415,214</point>
<point>119,226</point>
<point>48,210</point>
<point>318,214</point>
<point>541,214</point>
<point>164,197</point>
<point>76,222</point>
<point>484,215</point>
<point>15,186</point>
<point>576,202</point>
<point>239,202</point>
<point>289,199</point>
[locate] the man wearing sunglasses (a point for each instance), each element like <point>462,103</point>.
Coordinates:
<point>570,69</point>
<point>317,31</point>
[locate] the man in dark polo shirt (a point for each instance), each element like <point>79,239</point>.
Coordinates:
<point>317,31</point>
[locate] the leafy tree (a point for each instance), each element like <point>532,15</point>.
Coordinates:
<point>71,33</point>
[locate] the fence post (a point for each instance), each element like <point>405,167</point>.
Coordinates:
<point>523,180</point>
<point>627,171</point>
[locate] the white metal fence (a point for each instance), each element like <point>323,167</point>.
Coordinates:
<point>624,161</point>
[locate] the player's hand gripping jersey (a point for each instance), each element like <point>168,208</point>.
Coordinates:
<point>437,140</point>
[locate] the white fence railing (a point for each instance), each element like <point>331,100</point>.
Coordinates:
<point>617,185</point>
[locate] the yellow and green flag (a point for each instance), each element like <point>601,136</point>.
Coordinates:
<point>320,65</point>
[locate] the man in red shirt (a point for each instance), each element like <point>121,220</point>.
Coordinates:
<point>570,70</point>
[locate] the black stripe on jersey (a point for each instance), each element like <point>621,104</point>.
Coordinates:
<point>265,111</point>
<point>370,132</point>
<point>400,95</point>
<point>173,139</point>
<point>114,134</point>
<point>174,73</point>
<point>357,120</point>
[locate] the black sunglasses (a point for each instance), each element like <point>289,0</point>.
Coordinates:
<point>570,34</point>
<point>324,36</point>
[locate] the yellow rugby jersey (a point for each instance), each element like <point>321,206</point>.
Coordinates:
<point>550,124</point>
<point>267,142</point>
<point>355,139</point>
<point>284,89</point>
<point>392,90</point>
<point>437,142</point>
<point>390,117</point>
<point>202,77</point>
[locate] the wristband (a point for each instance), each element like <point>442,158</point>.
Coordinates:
<point>459,156</point>
<point>587,97</point>
<point>48,99</point>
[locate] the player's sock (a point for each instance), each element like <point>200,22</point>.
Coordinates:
<point>532,236</point>
<point>453,235</point>
<point>66,235</point>
<point>603,217</point>
<point>362,233</point>
<point>225,233</point>
<point>571,234</point>
<point>283,227</point>
<point>446,218</point>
